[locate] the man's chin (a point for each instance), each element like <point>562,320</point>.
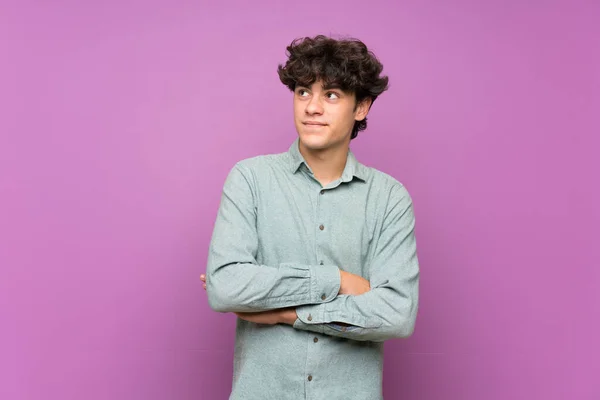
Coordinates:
<point>313,142</point>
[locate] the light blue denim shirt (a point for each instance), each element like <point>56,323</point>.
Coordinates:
<point>280,240</point>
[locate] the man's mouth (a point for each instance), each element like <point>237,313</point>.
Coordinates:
<point>314,123</point>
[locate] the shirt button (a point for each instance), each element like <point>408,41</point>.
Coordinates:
<point>322,192</point>
<point>309,317</point>
<point>323,297</point>
<point>321,263</point>
<point>316,340</point>
<point>321,227</point>
<point>310,378</point>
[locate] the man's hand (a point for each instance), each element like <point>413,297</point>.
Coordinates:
<point>353,284</point>
<point>280,316</point>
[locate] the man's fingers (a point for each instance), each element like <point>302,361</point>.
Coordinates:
<point>204,286</point>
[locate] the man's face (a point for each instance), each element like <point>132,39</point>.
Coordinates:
<point>324,117</point>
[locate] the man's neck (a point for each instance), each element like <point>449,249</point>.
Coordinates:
<point>326,165</point>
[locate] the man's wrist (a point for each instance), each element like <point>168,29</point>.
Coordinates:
<point>289,316</point>
<point>342,273</point>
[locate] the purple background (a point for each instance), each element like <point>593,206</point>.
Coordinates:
<point>119,121</point>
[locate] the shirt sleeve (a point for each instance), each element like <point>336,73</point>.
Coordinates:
<point>235,281</point>
<point>389,309</point>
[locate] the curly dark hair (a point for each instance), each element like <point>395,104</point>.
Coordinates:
<point>344,63</point>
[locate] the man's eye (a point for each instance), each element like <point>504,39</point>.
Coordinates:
<point>332,96</point>
<point>302,92</point>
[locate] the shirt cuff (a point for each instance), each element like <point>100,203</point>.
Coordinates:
<point>299,324</point>
<point>311,314</point>
<point>325,283</point>
<point>311,317</point>
<point>342,328</point>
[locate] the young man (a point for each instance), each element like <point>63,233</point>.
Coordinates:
<point>313,251</point>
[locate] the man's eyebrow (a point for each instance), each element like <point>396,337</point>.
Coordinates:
<point>331,86</point>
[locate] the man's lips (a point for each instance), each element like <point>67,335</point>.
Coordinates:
<point>314,123</point>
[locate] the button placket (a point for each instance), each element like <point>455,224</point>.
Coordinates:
<point>321,226</point>
<point>318,254</point>
<point>314,352</point>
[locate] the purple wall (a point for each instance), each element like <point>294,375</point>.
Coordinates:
<point>119,121</point>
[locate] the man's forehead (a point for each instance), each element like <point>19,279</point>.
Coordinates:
<point>323,85</point>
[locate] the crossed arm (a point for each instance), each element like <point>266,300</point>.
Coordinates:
<point>323,299</point>
<point>350,284</point>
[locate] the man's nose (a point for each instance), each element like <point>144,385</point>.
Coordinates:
<point>314,106</point>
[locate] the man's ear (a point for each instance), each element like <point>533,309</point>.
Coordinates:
<point>362,109</point>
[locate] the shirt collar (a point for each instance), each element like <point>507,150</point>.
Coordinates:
<point>352,169</point>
